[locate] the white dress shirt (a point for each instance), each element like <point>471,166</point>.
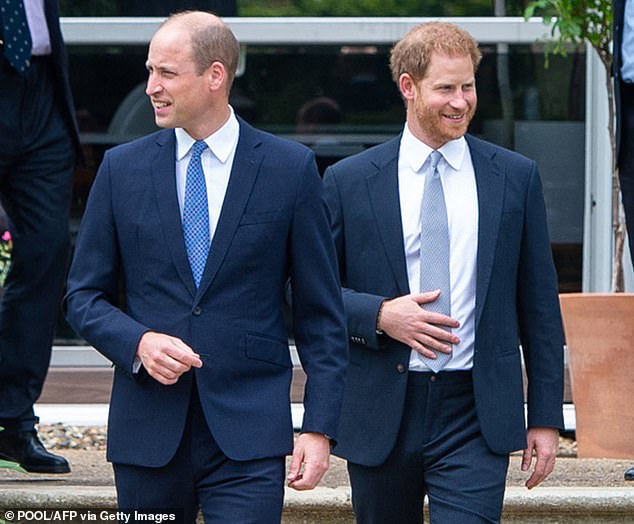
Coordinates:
<point>461,198</point>
<point>36,18</point>
<point>217,161</point>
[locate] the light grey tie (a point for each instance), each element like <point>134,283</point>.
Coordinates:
<point>434,250</point>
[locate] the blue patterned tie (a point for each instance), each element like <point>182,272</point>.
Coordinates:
<point>196,213</point>
<point>16,35</point>
<point>434,250</point>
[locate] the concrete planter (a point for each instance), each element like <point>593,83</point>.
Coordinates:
<point>600,339</point>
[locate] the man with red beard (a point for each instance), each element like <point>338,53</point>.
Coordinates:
<point>446,268</point>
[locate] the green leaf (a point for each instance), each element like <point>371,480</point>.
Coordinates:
<point>12,465</point>
<point>573,22</point>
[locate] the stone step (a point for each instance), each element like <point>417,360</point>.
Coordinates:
<point>332,505</point>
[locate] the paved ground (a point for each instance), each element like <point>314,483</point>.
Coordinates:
<point>90,468</point>
<point>580,491</point>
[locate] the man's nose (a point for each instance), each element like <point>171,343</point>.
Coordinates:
<point>460,99</point>
<point>152,86</point>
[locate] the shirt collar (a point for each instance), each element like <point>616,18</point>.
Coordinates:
<point>221,143</point>
<point>415,152</point>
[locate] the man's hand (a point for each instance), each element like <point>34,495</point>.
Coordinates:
<point>405,320</point>
<point>543,443</point>
<point>165,357</point>
<point>311,458</point>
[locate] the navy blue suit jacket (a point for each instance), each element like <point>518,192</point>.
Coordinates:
<point>273,225</point>
<point>619,15</point>
<point>516,299</point>
<point>60,71</point>
<point>60,67</point>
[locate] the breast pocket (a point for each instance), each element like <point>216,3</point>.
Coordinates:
<point>512,222</point>
<point>261,238</point>
<point>263,217</point>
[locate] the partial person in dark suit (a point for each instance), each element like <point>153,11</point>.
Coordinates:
<point>623,72</point>
<point>38,146</point>
<point>200,412</point>
<point>410,427</point>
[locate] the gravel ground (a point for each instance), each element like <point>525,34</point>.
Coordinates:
<point>84,447</point>
<point>60,436</point>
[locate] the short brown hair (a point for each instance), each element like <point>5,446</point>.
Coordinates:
<point>412,53</point>
<point>211,41</point>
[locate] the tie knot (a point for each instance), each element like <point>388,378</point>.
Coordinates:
<point>434,158</point>
<point>198,148</point>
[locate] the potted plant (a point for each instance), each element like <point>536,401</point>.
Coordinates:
<point>599,326</point>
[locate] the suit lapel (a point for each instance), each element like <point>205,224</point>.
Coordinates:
<point>246,164</point>
<point>385,202</point>
<point>164,178</point>
<point>490,182</point>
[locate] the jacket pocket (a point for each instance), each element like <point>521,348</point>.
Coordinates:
<point>268,349</point>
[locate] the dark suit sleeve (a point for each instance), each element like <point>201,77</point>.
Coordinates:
<point>540,322</point>
<point>93,283</point>
<point>361,308</point>
<point>318,317</point>
<point>62,79</point>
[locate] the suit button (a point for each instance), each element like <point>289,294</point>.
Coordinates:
<point>197,311</point>
<point>400,368</point>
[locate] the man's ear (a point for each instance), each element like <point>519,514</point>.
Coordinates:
<point>407,86</point>
<point>216,76</point>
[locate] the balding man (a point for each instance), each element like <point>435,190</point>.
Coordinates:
<point>204,223</point>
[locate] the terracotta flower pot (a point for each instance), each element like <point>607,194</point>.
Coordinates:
<point>600,340</point>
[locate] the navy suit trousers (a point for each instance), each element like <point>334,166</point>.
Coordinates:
<point>626,155</point>
<point>36,174</point>
<point>440,453</point>
<point>200,476</point>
